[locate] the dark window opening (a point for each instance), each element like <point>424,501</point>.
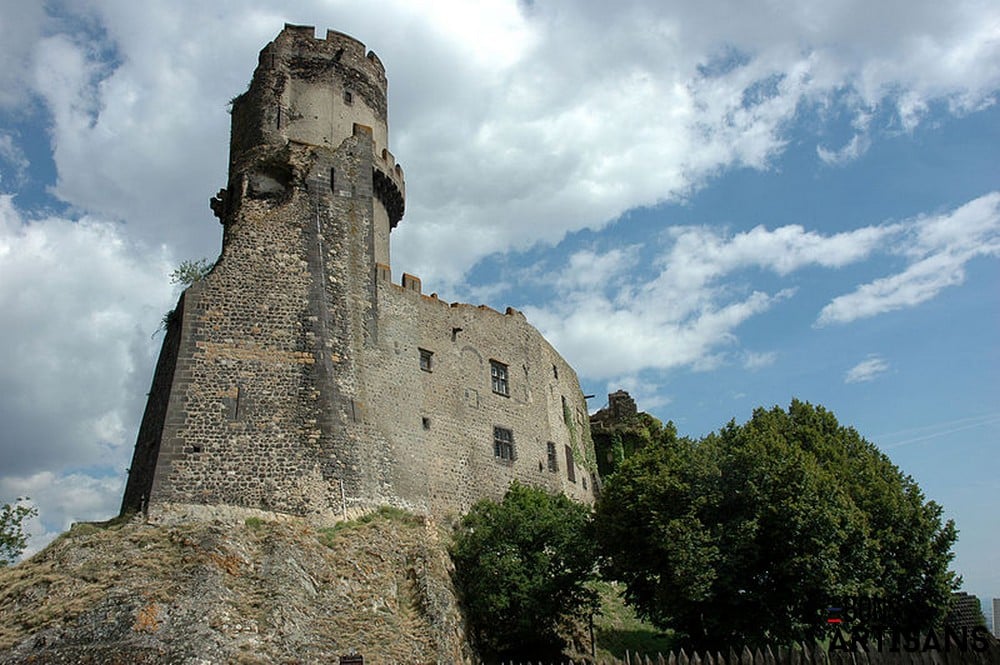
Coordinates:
<point>196,449</point>
<point>555,372</point>
<point>503,444</point>
<point>499,378</point>
<point>426,422</point>
<point>333,179</point>
<point>348,97</point>
<point>553,461</point>
<point>570,466</point>
<point>426,359</point>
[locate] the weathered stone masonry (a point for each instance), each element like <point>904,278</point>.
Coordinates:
<point>297,376</point>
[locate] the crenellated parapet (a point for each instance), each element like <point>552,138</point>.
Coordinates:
<point>390,188</point>
<point>313,91</point>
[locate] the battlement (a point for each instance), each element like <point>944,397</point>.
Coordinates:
<point>314,91</point>
<point>337,45</point>
<point>414,285</point>
<point>390,187</point>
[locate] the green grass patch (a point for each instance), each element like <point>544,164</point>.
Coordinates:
<point>327,535</point>
<point>255,523</point>
<point>618,629</point>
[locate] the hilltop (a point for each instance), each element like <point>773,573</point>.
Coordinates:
<point>234,586</point>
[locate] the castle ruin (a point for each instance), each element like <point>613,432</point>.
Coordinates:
<point>297,376</point>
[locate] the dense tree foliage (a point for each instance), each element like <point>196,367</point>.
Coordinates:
<point>12,537</point>
<point>522,568</point>
<point>752,532</point>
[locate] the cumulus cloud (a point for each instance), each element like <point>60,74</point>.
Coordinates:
<point>63,499</point>
<point>938,248</point>
<point>867,370</point>
<point>80,305</point>
<point>687,310</point>
<point>558,120</point>
<point>21,24</point>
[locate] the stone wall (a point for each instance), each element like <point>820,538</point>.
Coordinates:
<point>439,424</point>
<point>291,379</point>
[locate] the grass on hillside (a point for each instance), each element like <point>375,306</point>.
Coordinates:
<point>327,535</point>
<point>617,628</point>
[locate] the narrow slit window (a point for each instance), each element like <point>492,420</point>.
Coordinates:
<point>570,465</point>
<point>553,461</point>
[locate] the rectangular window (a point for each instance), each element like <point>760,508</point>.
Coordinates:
<point>553,462</point>
<point>503,444</point>
<point>426,359</point>
<point>498,375</point>
<point>570,466</point>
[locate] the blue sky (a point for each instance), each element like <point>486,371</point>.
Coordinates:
<point>716,206</point>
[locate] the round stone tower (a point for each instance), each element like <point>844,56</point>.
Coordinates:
<point>315,92</point>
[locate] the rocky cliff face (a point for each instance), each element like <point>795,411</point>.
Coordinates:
<point>225,586</point>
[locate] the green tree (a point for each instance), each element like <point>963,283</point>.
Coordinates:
<point>522,568</point>
<point>189,272</point>
<point>749,534</point>
<point>12,537</point>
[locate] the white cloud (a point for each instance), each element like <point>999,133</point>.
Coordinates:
<point>21,24</point>
<point>754,360</point>
<point>557,120</point>
<point>590,269</point>
<point>685,312</point>
<point>866,370</point>
<point>856,147</point>
<point>80,305</point>
<point>62,499</point>
<point>938,247</point>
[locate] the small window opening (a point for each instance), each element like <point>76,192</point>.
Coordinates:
<point>333,180</point>
<point>555,372</point>
<point>503,444</point>
<point>499,378</point>
<point>570,466</point>
<point>426,422</point>
<point>196,449</point>
<point>348,97</point>
<point>426,360</point>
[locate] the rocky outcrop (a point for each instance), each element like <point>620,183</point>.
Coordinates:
<point>235,586</point>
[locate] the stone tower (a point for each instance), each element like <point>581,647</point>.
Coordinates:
<point>296,376</point>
